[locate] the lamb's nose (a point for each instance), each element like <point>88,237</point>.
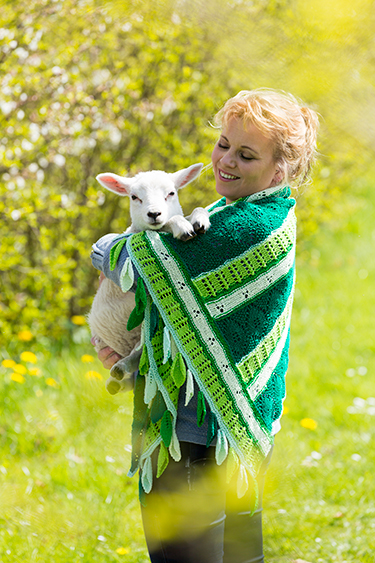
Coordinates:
<point>153,214</point>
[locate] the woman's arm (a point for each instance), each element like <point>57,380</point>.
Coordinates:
<point>100,258</point>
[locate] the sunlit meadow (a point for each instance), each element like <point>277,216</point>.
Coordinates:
<point>64,490</point>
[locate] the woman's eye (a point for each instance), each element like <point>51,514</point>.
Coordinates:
<point>222,146</point>
<point>246,157</point>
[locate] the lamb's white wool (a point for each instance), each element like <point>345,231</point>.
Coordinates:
<point>154,205</point>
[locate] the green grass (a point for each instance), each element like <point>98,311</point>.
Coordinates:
<point>64,492</point>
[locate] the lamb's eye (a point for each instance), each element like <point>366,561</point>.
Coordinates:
<point>170,195</point>
<point>134,197</point>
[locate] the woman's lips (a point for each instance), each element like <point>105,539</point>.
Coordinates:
<point>226,177</point>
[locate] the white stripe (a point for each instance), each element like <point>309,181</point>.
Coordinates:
<point>288,223</point>
<point>224,305</point>
<point>217,351</point>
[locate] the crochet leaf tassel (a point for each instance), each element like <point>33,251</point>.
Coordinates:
<point>115,253</point>
<point>166,345</point>
<point>138,313</point>
<point>127,276</point>
<point>178,370</point>
<point>158,407</point>
<point>146,476</point>
<point>232,464</point>
<point>163,459</point>
<point>221,450</point>
<point>212,428</point>
<point>201,409</point>
<point>189,387</point>
<point>166,428</point>
<point>144,364</point>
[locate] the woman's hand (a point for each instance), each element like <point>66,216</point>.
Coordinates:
<point>107,355</point>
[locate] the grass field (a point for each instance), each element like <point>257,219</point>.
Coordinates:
<point>64,492</point>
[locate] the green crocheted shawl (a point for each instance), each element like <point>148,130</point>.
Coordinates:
<point>218,312</point>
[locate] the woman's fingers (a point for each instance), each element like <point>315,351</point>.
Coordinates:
<point>108,357</point>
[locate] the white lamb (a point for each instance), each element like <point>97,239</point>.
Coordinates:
<point>154,205</point>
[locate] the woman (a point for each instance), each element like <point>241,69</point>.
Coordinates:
<point>208,398</point>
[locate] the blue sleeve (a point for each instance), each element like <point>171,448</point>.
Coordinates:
<point>100,258</point>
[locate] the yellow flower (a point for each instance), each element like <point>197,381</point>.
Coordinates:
<point>25,335</point>
<point>19,368</point>
<point>93,375</point>
<point>18,378</point>
<point>122,550</point>
<point>38,392</point>
<point>52,382</point>
<point>8,363</point>
<point>29,357</point>
<point>309,423</point>
<point>285,409</point>
<point>78,320</point>
<point>35,371</point>
<point>87,359</point>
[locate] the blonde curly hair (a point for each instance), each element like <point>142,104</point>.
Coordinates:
<point>280,116</point>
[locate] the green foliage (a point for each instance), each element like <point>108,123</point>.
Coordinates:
<point>89,86</point>
<point>103,93</point>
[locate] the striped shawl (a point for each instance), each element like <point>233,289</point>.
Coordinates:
<point>217,311</point>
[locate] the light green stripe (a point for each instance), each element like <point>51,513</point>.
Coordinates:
<point>253,363</point>
<point>254,288</point>
<point>249,264</point>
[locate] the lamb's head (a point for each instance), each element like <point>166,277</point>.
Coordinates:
<point>153,195</point>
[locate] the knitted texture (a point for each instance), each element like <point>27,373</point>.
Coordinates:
<point>218,310</point>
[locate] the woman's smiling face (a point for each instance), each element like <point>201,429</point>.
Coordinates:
<point>243,161</point>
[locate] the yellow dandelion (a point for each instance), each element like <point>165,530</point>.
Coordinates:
<point>35,371</point>
<point>309,423</point>
<point>87,359</point>
<point>19,368</point>
<point>25,335</point>
<point>122,550</point>
<point>38,392</point>
<point>52,382</point>
<point>18,378</point>
<point>285,409</point>
<point>29,357</point>
<point>8,363</point>
<point>78,320</point>
<point>93,375</point>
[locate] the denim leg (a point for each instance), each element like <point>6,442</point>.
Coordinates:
<point>184,516</point>
<point>243,538</point>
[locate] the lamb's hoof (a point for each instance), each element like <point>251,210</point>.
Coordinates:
<point>188,236</point>
<point>113,386</point>
<point>117,372</point>
<point>199,229</point>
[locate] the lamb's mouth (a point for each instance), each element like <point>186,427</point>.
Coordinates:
<point>155,224</point>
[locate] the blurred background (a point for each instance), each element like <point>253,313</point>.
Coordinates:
<point>88,86</point>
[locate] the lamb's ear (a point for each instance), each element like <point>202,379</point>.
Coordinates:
<point>183,177</point>
<point>115,183</point>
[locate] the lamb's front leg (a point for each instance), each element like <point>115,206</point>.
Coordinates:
<point>200,220</point>
<point>180,228</point>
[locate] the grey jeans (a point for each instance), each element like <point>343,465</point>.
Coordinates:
<point>190,516</point>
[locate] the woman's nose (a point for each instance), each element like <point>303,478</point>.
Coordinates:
<point>228,159</point>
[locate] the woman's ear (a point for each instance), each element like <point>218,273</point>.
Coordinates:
<point>278,177</point>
